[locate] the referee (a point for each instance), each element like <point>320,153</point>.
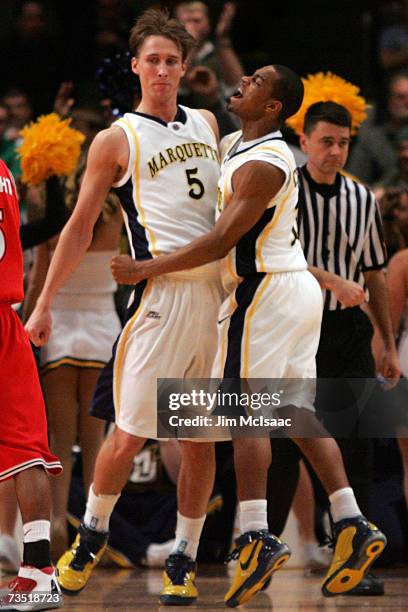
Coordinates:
<point>341,233</point>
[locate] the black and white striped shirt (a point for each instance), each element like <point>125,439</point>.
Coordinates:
<point>340,229</point>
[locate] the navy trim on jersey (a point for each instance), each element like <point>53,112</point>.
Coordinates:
<point>140,242</point>
<point>244,294</point>
<point>245,252</point>
<point>102,404</point>
<point>238,142</point>
<point>181,117</point>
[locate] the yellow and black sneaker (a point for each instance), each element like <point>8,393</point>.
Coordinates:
<point>179,588</point>
<point>75,566</point>
<point>259,554</point>
<point>358,543</point>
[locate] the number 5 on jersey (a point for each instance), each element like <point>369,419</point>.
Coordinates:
<point>197,190</point>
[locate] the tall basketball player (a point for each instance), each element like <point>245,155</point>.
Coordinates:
<point>163,162</point>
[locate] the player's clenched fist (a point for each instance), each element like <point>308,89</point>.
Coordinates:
<point>125,270</point>
<point>39,326</point>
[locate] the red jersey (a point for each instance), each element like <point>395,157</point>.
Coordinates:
<point>11,256</point>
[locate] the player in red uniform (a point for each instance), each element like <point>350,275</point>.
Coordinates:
<point>24,452</point>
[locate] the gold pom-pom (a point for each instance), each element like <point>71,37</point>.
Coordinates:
<point>50,147</point>
<point>328,87</point>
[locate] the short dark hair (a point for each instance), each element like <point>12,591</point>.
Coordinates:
<point>154,22</point>
<point>289,90</point>
<point>331,112</point>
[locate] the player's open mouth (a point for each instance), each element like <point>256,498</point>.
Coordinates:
<point>237,94</point>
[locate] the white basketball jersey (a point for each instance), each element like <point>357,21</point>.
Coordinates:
<point>272,244</point>
<point>168,193</point>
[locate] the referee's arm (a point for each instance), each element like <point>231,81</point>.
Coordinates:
<point>346,291</point>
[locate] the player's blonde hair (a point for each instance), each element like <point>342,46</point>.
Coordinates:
<point>155,22</point>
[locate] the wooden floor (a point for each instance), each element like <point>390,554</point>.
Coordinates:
<point>123,590</point>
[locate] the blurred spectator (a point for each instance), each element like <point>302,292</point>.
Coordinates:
<point>394,210</point>
<point>20,111</point>
<point>214,69</point>
<point>7,146</point>
<point>219,55</point>
<point>30,55</point>
<point>393,40</point>
<point>112,28</point>
<point>400,177</point>
<point>374,156</point>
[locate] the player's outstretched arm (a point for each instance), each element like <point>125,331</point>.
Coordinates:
<point>104,165</point>
<point>255,184</point>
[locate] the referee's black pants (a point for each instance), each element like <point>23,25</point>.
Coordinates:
<point>344,352</point>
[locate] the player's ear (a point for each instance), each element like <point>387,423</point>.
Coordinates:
<point>275,107</point>
<point>134,65</point>
<point>183,68</point>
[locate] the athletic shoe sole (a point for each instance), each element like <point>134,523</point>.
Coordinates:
<point>352,572</point>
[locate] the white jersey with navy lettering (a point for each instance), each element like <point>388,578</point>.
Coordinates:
<point>272,244</point>
<point>168,192</point>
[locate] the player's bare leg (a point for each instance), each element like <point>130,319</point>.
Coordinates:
<point>36,576</point>
<point>194,486</point>
<point>112,469</point>
<point>258,552</point>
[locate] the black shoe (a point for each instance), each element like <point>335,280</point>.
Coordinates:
<point>370,585</point>
<point>75,566</point>
<point>259,554</point>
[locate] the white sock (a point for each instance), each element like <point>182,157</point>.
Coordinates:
<point>343,504</point>
<point>156,554</point>
<point>188,534</point>
<point>98,510</point>
<point>252,515</point>
<point>34,531</point>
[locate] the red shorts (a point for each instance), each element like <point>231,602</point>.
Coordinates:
<point>23,423</point>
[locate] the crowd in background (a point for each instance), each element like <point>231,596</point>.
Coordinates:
<point>42,71</point>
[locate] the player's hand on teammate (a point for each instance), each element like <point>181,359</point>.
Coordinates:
<point>348,292</point>
<point>125,270</point>
<point>39,326</point>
